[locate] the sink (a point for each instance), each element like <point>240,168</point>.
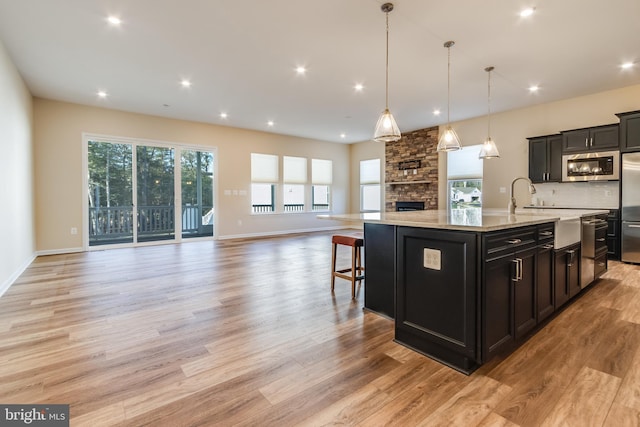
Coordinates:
<point>567,232</point>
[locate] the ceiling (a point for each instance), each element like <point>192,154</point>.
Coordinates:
<point>240,57</point>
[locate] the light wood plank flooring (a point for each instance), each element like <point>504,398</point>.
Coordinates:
<point>247,332</point>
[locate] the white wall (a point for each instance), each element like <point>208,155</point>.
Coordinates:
<point>59,127</point>
<point>16,174</point>
<point>510,130</point>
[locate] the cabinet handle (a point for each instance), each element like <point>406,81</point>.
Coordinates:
<point>546,233</point>
<point>571,253</point>
<point>549,246</point>
<point>517,272</point>
<point>586,142</point>
<point>514,241</point>
<point>633,226</point>
<point>591,142</point>
<point>520,269</point>
<point>601,264</point>
<point>600,239</point>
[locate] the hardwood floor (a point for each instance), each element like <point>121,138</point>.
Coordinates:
<point>247,332</point>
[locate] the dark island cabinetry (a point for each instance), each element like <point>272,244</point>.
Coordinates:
<point>590,139</point>
<point>436,287</point>
<point>544,272</point>
<point>461,296</point>
<point>379,261</point>
<point>629,131</point>
<point>567,274</point>
<point>545,159</point>
<point>509,304</point>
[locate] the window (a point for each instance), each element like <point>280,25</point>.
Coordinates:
<point>370,185</point>
<point>294,171</point>
<point>321,180</point>
<point>264,176</point>
<point>464,182</point>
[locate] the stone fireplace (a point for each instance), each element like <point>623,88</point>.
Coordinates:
<point>411,169</point>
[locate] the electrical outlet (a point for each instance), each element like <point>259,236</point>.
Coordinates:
<point>503,189</point>
<point>432,259</point>
<point>74,230</point>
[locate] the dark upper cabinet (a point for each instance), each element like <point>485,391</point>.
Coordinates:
<point>545,159</point>
<point>629,131</point>
<point>591,139</point>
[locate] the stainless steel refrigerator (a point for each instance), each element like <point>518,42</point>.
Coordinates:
<point>631,207</point>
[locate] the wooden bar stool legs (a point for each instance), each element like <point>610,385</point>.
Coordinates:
<point>356,269</point>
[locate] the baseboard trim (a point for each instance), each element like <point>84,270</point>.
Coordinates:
<point>59,251</point>
<point>7,283</point>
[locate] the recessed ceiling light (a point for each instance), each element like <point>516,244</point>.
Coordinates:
<point>626,65</point>
<point>114,20</point>
<point>436,112</point>
<point>301,70</point>
<point>270,123</point>
<point>358,87</point>
<point>525,13</point>
<point>185,83</point>
<point>102,94</point>
<point>223,115</point>
<point>534,88</point>
<point>343,135</point>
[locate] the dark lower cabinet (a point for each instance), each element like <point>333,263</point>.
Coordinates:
<point>379,264</point>
<point>544,281</point>
<point>524,292</point>
<point>613,234</point>
<point>509,288</point>
<point>510,292</point>
<point>567,274</point>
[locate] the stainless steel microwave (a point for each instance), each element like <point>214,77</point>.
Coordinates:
<point>596,166</point>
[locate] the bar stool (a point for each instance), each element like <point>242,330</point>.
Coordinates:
<point>356,245</point>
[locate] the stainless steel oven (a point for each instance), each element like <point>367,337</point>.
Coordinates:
<point>596,166</point>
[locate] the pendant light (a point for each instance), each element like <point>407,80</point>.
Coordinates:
<point>386,128</point>
<point>449,140</point>
<point>489,149</point>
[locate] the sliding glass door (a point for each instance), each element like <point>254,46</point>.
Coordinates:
<point>110,193</point>
<point>155,193</point>
<point>133,190</point>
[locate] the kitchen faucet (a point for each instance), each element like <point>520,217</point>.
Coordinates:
<point>512,202</point>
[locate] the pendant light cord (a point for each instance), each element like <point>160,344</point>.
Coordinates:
<point>488,70</point>
<point>448,83</point>
<point>386,99</point>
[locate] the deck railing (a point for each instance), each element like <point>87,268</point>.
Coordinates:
<point>115,223</point>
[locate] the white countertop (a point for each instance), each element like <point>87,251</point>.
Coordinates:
<point>469,220</point>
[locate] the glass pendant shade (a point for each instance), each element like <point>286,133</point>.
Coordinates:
<point>489,150</point>
<point>386,129</point>
<point>449,140</point>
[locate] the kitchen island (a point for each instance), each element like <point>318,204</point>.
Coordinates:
<point>467,287</point>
